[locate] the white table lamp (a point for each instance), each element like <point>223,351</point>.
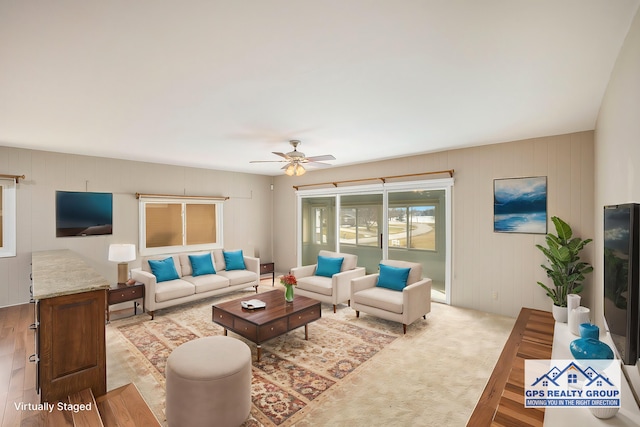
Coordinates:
<point>122,254</point>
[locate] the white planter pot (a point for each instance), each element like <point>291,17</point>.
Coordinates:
<point>604,413</point>
<point>560,314</point>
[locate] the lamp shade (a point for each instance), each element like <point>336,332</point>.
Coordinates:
<point>295,169</point>
<point>122,252</point>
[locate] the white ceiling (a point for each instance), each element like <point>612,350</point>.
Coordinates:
<point>216,84</point>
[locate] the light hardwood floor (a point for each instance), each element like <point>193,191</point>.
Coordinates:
<point>17,374</point>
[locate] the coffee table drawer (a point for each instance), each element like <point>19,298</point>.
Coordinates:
<point>273,329</point>
<point>246,329</point>
<point>222,318</point>
<point>304,317</point>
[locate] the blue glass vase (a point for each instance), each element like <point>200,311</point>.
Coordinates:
<point>590,348</point>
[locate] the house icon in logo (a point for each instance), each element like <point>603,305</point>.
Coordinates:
<point>571,375</point>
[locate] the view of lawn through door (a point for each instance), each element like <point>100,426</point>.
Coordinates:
<point>409,225</point>
<point>360,228</point>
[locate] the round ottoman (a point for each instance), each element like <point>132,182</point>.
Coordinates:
<point>209,383</point>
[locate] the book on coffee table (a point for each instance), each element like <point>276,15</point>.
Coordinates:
<point>253,304</point>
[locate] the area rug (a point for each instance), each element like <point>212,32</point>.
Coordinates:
<point>292,373</point>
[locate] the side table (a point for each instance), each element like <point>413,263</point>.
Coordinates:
<point>268,268</point>
<point>123,293</point>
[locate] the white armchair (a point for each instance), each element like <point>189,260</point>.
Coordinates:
<point>405,306</point>
<point>332,289</point>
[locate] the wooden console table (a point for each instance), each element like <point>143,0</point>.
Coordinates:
<point>502,402</point>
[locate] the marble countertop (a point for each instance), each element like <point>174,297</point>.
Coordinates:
<point>63,272</point>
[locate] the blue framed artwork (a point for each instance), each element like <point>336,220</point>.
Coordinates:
<point>520,205</point>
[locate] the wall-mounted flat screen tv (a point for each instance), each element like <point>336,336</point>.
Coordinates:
<point>621,275</point>
<point>83,213</point>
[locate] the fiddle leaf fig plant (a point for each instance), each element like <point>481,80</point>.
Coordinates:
<point>564,266</point>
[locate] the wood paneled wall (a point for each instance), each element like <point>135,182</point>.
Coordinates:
<point>484,263</point>
<point>247,214</point>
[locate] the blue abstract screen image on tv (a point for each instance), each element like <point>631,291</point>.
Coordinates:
<point>83,213</point>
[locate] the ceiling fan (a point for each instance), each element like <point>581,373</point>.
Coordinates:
<point>296,159</point>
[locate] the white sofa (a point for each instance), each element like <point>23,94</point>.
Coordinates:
<point>188,288</point>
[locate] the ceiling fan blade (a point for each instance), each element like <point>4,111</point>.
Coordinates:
<point>267,161</point>
<point>320,158</point>
<point>281,155</point>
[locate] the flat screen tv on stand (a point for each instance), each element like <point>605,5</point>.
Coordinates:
<point>621,278</point>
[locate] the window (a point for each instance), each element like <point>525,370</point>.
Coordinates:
<point>320,226</point>
<point>413,227</point>
<point>359,226</point>
<point>7,218</point>
<point>179,224</point>
<point>572,379</point>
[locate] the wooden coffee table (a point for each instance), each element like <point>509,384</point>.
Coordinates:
<point>262,324</point>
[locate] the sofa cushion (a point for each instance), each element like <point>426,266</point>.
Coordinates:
<point>218,260</point>
<point>185,262</point>
<point>234,260</point>
<point>207,282</point>
<point>237,277</point>
<point>328,266</point>
<point>164,270</point>
<point>350,261</point>
<point>394,278</point>
<point>317,284</point>
<point>201,264</point>
<point>176,262</point>
<point>415,275</point>
<point>173,289</point>
<point>382,298</point>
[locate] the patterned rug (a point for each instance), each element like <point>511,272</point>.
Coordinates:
<point>292,372</point>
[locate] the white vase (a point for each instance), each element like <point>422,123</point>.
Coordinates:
<point>573,301</point>
<point>559,313</point>
<point>578,316</point>
<point>604,412</point>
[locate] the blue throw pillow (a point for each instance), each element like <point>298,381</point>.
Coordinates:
<point>234,260</point>
<point>327,266</point>
<point>163,270</point>
<point>202,264</point>
<point>393,277</point>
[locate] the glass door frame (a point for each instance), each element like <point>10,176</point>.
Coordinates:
<point>445,184</point>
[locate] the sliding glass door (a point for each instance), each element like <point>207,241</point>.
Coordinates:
<point>416,230</point>
<point>361,228</point>
<point>403,221</point>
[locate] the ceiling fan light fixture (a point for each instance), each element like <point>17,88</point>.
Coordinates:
<point>295,159</point>
<point>295,169</point>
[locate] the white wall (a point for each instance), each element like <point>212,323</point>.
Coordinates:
<point>483,261</point>
<point>617,142</point>
<point>247,214</point>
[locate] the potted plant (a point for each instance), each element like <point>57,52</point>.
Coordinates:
<point>565,268</point>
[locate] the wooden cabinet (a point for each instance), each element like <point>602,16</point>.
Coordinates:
<point>71,345</point>
<point>70,299</point>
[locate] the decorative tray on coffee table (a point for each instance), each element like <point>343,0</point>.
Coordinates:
<point>253,304</point>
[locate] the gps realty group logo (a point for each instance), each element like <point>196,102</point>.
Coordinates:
<point>567,383</point>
